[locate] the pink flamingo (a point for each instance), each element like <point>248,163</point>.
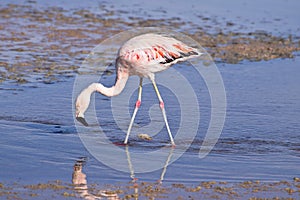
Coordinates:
<point>143,55</point>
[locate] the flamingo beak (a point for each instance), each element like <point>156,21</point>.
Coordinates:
<point>79,114</point>
<point>82,120</point>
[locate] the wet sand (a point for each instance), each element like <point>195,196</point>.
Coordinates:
<point>252,190</point>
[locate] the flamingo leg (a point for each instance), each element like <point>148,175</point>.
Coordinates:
<point>137,106</point>
<point>162,107</point>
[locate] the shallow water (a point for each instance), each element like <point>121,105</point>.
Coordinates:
<point>260,139</point>
<point>278,17</point>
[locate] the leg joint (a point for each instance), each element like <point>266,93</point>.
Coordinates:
<point>138,103</point>
<point>162,105</point>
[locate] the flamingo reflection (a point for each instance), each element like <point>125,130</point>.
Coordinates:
<point>80,185</point>
<point>80,182</point>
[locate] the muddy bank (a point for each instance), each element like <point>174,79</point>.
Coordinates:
<point>235,47</point>
<point>48,44</point>
<point>145,190</point>
<point>136,189</point>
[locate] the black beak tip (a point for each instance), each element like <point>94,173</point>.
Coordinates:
<point>82,120</point>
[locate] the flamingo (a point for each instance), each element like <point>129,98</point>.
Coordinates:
<point>143,55</point>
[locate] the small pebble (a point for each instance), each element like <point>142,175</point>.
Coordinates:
<point>296,179</point>
<point>144,136</point>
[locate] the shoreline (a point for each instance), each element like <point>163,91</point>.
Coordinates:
<point>145,190</point>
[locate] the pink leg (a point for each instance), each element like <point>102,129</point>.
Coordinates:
<point>162,107</point>
<point>137,106</point>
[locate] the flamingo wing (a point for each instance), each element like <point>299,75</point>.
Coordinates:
<point>153,49</point>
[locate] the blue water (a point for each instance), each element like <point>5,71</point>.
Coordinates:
<point>260,139</point>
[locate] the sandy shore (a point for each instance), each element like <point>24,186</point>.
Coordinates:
<point>143,190</point>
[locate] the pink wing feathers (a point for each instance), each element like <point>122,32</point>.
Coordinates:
<point>153,49</point>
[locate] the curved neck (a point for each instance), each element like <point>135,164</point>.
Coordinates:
<point>83,100</point>
<point>116,89</point>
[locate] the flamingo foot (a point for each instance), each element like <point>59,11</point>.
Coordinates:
<point>120,144</point>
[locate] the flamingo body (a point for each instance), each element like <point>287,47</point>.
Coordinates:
<point>150,53</point>
<point>143,55</point>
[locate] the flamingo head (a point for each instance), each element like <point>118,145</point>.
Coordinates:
<point>82,103</point>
